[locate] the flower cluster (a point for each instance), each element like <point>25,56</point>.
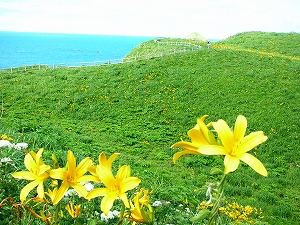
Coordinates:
<point>78,178</point>
<point>18,146</point>
<point>5,142</point>
<point>233,144</point>
<point>213,138</point>
<point>241,214</point>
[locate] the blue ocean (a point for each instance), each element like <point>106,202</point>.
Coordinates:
<point>20,49</point>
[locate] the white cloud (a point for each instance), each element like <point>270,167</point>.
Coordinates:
<point>211,18</point>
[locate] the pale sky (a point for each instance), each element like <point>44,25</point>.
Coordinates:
<point>214,19</point>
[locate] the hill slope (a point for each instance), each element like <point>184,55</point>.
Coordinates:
<point>281,43</point>
<point>140,109</point>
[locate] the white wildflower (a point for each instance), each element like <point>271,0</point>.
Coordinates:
<point>115,212</point>
<point>21,146</point>
<point>211,187</point>
<point>157,203</point>
<point>88,186</point>
<point>5,160</point>
<point>71,192</point>
<point>5,143</point>
<point>110,215</point>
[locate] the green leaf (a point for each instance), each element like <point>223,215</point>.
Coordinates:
<point>201,215</point>
<point>215,171</point>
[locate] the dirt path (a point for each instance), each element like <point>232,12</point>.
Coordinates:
<point>271,54</point>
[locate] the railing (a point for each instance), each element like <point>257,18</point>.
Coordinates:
<point>191,47</point>
<point>177,43</point>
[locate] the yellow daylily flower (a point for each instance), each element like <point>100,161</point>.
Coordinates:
<point>52,194</point>
<point>200,135</point>
<point>37,172</point>
<point>103,162</point>
<point>72,176</point>
<point>236,145</point>
<point>115,186</point>
<point>141,210</point>
<point>74,211</point>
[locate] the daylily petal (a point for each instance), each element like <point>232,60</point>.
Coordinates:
<point>102,159</point>
<point>107,163</point>
<point>129,183</point>
<point>60,192</point>
<point>240,128</point>
<point>112,158</point>
<point>83,166</point>
<point>43,168</point>
<point>106,176</point>
<point>107,202</point>
<point>92,170</point>
<point>40,190</point>
<point>204,130</point>
<point>225,133</point>
<point>252,140</point>
<point>87,178</point>
<point>24,175</point>
<point>29,163</point>
<point>122,173</point>
<point>25,190</point>
<point>71,161</point>
<point>203,118</point>
<point>59,174</point>
<point>198,137</point>
<point>186,145</point>
<point>124,199</point>
<point>186,152</point>
<point>231,163</point>
<point>254,163</point>
<point>80,189</point>
<point>213,150</point>
<point>38,156</point>
<point>97,192</point>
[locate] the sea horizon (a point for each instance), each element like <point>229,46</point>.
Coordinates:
<point>19,49</point>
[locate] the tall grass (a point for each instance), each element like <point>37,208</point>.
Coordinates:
<point>140,109</point>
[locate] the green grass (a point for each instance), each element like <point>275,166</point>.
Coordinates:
<point>282,43</point>
<point>140,109</point>
<point>163,46</point>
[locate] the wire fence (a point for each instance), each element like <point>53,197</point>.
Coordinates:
<point>186,48</point>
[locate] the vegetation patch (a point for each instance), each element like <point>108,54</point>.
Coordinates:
<point>141,109</point>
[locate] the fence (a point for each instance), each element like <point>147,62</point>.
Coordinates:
<point>191,47</point>
<point>178,43</point>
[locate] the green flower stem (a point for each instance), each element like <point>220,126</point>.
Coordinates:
<point>56,214</point>
<point>220,188</point>
<point>215,209</point>
<point>121,214</point>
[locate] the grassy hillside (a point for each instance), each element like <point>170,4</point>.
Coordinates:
<point>165,45</point>
<point>140,109</point>
<point>282,43</point>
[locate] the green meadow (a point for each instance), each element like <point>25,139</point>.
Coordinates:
<point>140,109</point>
